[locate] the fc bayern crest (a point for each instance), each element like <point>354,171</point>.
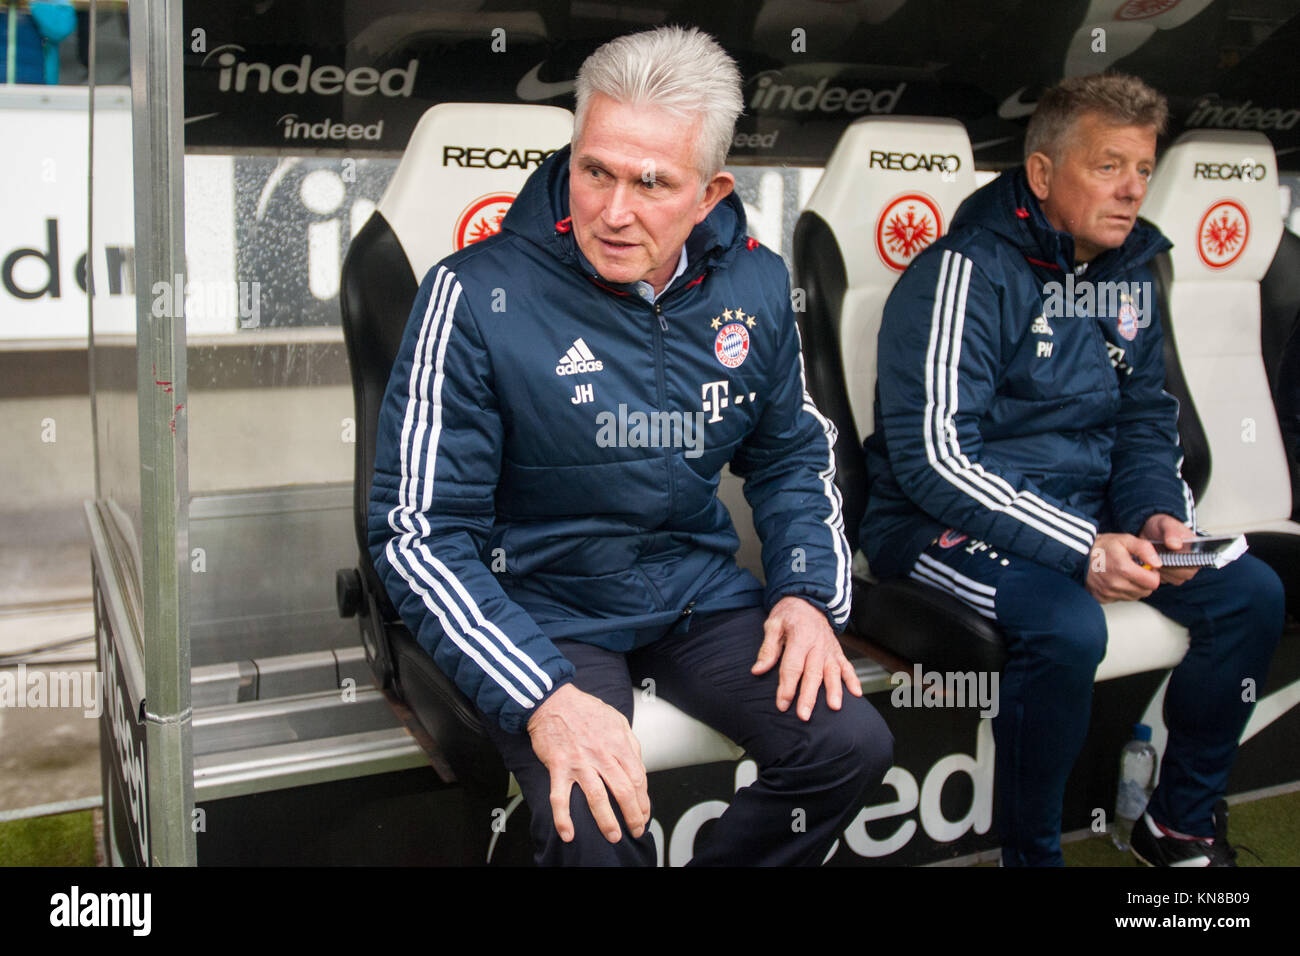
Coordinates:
<point>481,218</point>
<point>732,345</point>
<point>907,225</point>
<point>1221,236</point>
<point>1128,321</point>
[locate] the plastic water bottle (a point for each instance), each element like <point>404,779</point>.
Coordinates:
<point>1137,773</point>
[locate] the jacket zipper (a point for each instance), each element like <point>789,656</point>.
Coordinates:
<point>684,616</point>
<point>1097,336</point>
<point>1099,341</point>
<point>661,377</point>
<point>661,373</point>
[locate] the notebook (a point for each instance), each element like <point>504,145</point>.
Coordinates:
<point>1210,552</point>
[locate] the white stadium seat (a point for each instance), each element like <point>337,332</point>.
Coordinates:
<point>1215,195</point>
<point>462,167</point>
<point>890,188</point>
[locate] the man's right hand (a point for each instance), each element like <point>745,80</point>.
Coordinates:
<point>581,739</point>
<point>1116,571</point>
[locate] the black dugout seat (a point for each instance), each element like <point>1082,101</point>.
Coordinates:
<point>1279,308</point>
<point>1279,314</point>
<point>440,199</point>
<point>1215,195</point>
<point>890,189</point>
<point>851,244</point>
<point>846,260</point>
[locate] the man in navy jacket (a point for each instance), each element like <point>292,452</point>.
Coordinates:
<point>544,510</point>
<point>1025,459</point>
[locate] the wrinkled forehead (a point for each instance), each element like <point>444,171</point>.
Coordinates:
<point>1095,134</point>
<point>641,134</point>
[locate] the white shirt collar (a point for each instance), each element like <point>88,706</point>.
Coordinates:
<point>646,290</point>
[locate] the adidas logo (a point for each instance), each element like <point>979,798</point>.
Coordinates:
<point>1040,326</point>
<point>578,360</point>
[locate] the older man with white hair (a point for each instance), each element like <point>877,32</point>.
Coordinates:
<point>544,510</point>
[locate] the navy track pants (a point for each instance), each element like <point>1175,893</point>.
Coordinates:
<point>1055,635</point>
<point>824,767</point>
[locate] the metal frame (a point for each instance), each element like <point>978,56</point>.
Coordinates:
<point>157,38</point>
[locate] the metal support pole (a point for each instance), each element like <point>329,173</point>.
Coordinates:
<point>157,45</point>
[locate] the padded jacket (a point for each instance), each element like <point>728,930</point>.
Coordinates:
<point>550,446</point>
<point>1020,401</point>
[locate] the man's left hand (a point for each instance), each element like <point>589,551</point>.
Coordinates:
<point>800,637</point>
<point>1170,533</point>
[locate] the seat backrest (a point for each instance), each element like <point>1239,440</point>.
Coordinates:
<point>1215,195</point>
<point>890,188</point>
<point>1191,434</point>
<point>1279,294</point>
<point>1126,25</point>
<point>461,169</point>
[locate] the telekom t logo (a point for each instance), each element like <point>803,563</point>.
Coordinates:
<point>715,398</point>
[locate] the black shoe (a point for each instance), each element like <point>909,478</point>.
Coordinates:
<point>1152,847</point>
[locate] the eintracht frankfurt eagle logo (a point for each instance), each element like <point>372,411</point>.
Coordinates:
<point>481,218</point>
<point>1221,236</point>
<point>906,226</point>
<point>1144,9</point>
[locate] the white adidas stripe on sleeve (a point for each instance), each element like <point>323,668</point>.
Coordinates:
<point>841,601</point>
<point>943,356</point>
<point>428,577</point>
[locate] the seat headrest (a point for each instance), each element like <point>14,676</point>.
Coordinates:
<point>1127,25</point>
<point>890,189</point>
<point>463,166</point>
<point>1215,195</point>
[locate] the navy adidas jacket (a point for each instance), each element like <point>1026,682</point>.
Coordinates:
<point>549,449</point>
<point>1012,411</point>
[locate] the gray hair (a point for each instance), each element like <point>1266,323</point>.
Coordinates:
<point>1117,98</point>
<point>683,71</point>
